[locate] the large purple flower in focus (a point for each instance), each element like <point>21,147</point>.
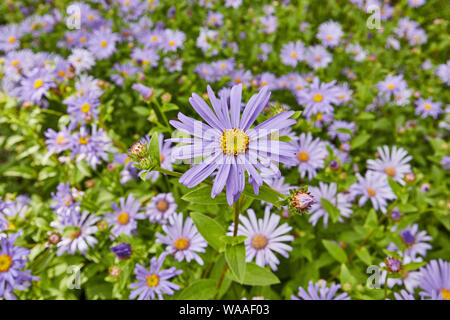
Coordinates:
<point>228,145</point>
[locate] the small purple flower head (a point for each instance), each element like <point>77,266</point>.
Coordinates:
<point>392,163</point>
<point>318,57</point>
<point>428,108</point>
<point>57,142</point>
<point>182,239</point>
<point>318,98</point>
<point>173,40</point>
<point>102,43</point>
<point>81,60</point>
<point>35,85</point>
<point>292,53</point>
<point>320,291</point>
<point>435,280</point>
<point>393,264</point>
<point>416,241</point>
<point>443,72</point>
<point>10,37</point>
<point>90,146</point>
<point>154,282</point>
<point>64,201</point>
<point>124,216</point>
<point>395,214</point>
<point>330,33</point>
<point>310,155</point>
<point>146,92</point>
<point>335,132</point>
<point>122,251</point>
<point>161,208</point>
<point>82,108</point>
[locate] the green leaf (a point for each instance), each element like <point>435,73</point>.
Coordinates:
<point>202,195</point>
<point>210,229</point>
<point>396,188</point>
<point>331,209</point>
<point>335,251</point>
<point>345,130</point>
<point>265,194</point>
<point>154,149</point>
<point>203,289</point>
<point>413,265</point>
<point>258,276</point>
<point>234,240</point>
<point>346,276</point>
<point>364,255</point>
<point>18,171</point>
<point>366,116</point>
<point>142,111</point>
<point>235,256</point>
<point>360,140</point>
<point>169,107</point>
<point>371,220</point>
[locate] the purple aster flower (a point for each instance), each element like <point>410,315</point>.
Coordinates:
<point>35,85</point>
<point>373,186</point>
<point>330,33</point>
<point>122,251</point>
<point>57,142</point>
<point>435,280</point>
<point>269,22</point>
<point>228,145</point>
<point>233,3</point>
<point>310,155</point>
<point>443,72</point>
<point>386,12</point>
<point>391,85</point>
<point>148,57</point>
<point>88,83</point>
<point>81,60</point>
<point>90,146</point>
<point>12,262</point>
<point>80,238</point>
<point>10,37</point>
<point>153,282</point>
<point>328,192</point>
<point>405,25</point>
<point>82,108</point>
<point>392,163</point>
<point>445,162</point>
<point>292,53</point>
<point>161,208</point>
<point>335,130</point>
<point>124,217</point>
<point>173,64</point>
<point>64,200</point>
<point>146,92</point>
<point>404,295</point>
<point>240,76</point>
<point>320,291</point>
<point>358,53</point>
<point>173,40</point>
<point>428,108</point>
<point>318,97</point>
<point>102,43</point>
<point>393,43</point>
<point>182,239</point>
<point>416,3</point>
<point>264,237</point>
<point>416,241</point>
<point>318,57</point>
<point>214,19</point>
<point>416,36</point>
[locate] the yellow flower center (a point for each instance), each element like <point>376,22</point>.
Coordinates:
<point>127,3</point>
<point>294,54</point>
<point>234,142</point>
<point>259,242</point>
<point>11,39</point>
<point>123,218</point>
<point>162,205</point>
<point>61,141</point>
<point>317,58</point>
<point>5,262</point>
<point>299,87</point>
<point>104,43</point>
<point>83,39</point>
<point>318,97</point>
<point>223,66</point>
<point>154,38</point>
<point>85,108</point>
<point>83,140</point>
<point>238,80</point>
<point>75,234</point>
<point>61,73</point>
<point>445,293</point>
<point>91,17</point>
<point>38,83</point>
<point>330,37</point>
<point>15,63</point>
<point>263,83</point>
<point>303,156</point>
<point>171,43</point>
<point>181,244</point>
<point>152,280</point>
<point>427,106</point>
<point>390,171</point>
<point>319,116</point>
<point>371,192</point>
<point>390,86</point>
<point>145,63</point>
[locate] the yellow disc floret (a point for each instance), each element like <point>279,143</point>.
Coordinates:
<point>234,142</point>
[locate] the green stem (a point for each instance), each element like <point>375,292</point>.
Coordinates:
<point>385,285</point>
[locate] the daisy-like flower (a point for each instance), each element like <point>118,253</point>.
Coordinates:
<point>57,142</point>
<point>318,98</point>
<point>10,37</point>
<point>173,40</point>
<point>228,145</point>
<point>270,23</point>
<point>435,280</point>
<point>145,57</point>
<point>416,3</point>
<point>81,60</point>
<point>102,43</point>
<point>320,291</point>
<point>161,208</point>
<point>124,217</point>
<point>35,85</point>
<point>240,76</point>
<point>82,228</point>
<point>64,200</point>
<point>182,239</point>
<point>90,146</point>
<point>328,192</point>
<point>428,108</point>
<point>330,33</point>
<point>310,155</point>
<point>393,163</point>
<point>333,130</point>
<point>443,72</point>
<point>416,241</point>
<point>318,57</point>
<point>373,186</point>
<point>233,3</point>
<point>358,53</point>
<point>154,282</point>
<point>12,262</point>
<point>292,53</point>
<point>264,237</point>
<point>391,85</point>
<point>214,19</point>
<point>404,295</point>
<point>82,107</point>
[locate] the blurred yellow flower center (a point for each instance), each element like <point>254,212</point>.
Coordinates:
<point>181,243</point>
<point>259,242</point>
<point>294,54</point>
<point>75,234</point>
<point>234,142</point>
<point>390,171</point>
<point>61,141</point>
<point>171,43</point>
<point>152,280</point>
<point>61,73</point>
<point>15,63</point>
<point>317,58</point>
<point>162,205</point>
<point>303,156</point>
<point>127,3</point>
<point>445,292</point>
<point>83,140</point>
<point>390,86</point>
<point>238,80</point>
<point>330,37</point>
<point>299,87</point>
<point>318,97</point>
<point>82,39</point>
<point>427,106</point>
<point>38,83</point>
<point>154,38</point>
<point>371,192</point>
<point>319,116</point>
<point>145,63</point>
<point>123,218</point>
<point>85,108</point>
<point>104,43</point>
<point>91,17</point>
<point>5,262</point>
<point>263,83</point>
<point>11,39</point>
